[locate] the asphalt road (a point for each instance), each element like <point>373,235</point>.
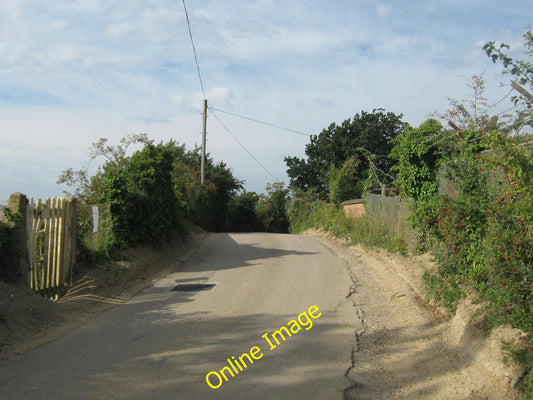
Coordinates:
<point>164,343</point>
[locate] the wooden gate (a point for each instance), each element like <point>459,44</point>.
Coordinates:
<point>51,242</point>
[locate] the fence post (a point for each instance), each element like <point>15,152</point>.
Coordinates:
<point>17,204</point>
<point>71,215</point>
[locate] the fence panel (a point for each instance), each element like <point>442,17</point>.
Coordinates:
<point>51,242</point>
<point>394,211</point>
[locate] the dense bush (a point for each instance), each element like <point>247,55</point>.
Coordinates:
<point>271,209</point>
<point>419,152</point>
<point>9,260</point>
<point>142,198</point>
<point>242,214</point>
<point>478,220</point>
<point>153,195</point>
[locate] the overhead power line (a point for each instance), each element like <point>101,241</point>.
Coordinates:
<point>194,49</point>
<point>261,122</point>
<point>245,149</point>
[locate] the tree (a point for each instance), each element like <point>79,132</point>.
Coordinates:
<point>354,139</point>
<point>205,205</point>
<point>86,188</point>
<point>220,186</point>
<point>242,215</point>
<point>474,114</point>
<point>523,72</point>
<point>271,210</point>
<point>343,184</point>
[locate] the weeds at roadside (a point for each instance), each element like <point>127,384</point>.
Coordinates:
<point>522,354</point>
<point>441,291</point>
<point>367,231</point>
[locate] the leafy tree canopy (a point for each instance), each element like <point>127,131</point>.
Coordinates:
<point>356,138</point>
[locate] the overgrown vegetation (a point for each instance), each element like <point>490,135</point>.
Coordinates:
<point>92,247</point>
<point>9,257</point>
<point>366,230</point>
<point>522,354</point>
<point>472,183</point>
<point>154,195</point>
<point>475,201</point>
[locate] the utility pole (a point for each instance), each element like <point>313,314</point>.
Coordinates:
<point>202,165</point>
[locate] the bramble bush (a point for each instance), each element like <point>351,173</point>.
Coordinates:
<point>507,247</point>
<point>481,228</point>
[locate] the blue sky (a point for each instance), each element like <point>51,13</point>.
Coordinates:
<point>73,71</point>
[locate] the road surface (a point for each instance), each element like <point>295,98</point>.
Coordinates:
<point>163,344</point>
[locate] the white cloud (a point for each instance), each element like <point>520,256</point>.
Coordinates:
<point>13,8</point>
<point>81,69</point>
<point>80,5</point>
<point>383,10</point>
<point>194,102</point>
<point>120,29</point>
<point>58,24</point>
<point>151,118</point>
<point>432,9</point>
<point>220,94</point>
<point>176,99</point>
<point>64,53</point>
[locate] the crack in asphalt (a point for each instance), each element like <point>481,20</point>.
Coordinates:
<point>357,334</point>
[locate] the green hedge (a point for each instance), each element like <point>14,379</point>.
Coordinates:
<point>9,257</point>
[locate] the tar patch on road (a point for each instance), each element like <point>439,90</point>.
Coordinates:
<point>192,287</point>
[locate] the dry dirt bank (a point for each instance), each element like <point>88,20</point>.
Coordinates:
<point>407,349</point>
<point>28,320</point>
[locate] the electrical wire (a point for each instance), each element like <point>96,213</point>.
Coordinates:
<point>261,122</point>
<point>194,49</point>
<point>245,149</point>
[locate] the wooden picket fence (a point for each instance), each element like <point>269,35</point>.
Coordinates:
<point>51,243</point>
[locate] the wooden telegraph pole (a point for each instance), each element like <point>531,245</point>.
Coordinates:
<point>522,91</point>
<point>202,166</point>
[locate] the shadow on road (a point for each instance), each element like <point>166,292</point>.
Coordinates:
<point>243,254</point>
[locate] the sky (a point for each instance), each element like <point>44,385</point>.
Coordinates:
<point>75,71</point>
